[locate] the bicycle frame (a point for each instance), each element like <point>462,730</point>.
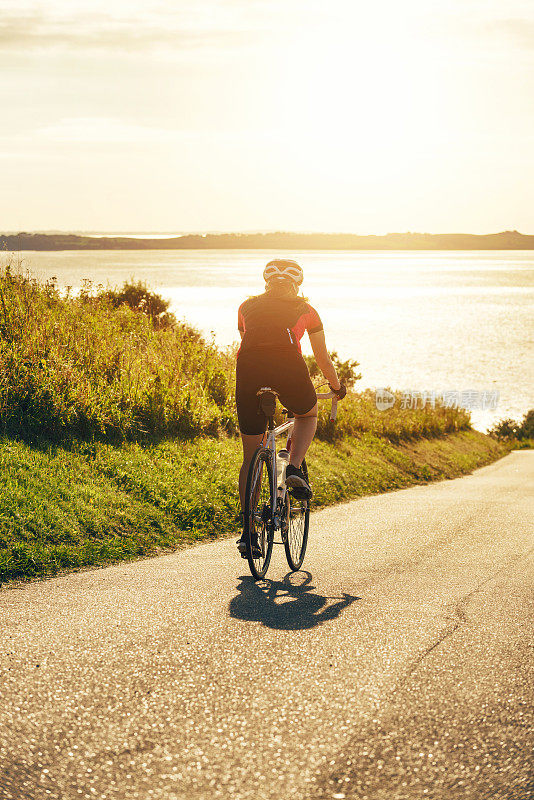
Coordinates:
<point>269,443</point>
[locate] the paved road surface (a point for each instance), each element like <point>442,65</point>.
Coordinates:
<point>398,667</point>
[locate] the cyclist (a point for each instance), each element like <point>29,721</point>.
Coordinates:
<point>271,326</point>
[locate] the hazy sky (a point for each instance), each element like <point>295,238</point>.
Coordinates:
<point>267,114</point>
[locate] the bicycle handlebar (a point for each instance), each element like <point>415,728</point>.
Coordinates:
<point>333,408</point>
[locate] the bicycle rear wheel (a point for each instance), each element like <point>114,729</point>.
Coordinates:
<point>297,518</point>
<point>258,511</point>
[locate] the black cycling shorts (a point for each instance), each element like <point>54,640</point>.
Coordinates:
<point>285,371</point>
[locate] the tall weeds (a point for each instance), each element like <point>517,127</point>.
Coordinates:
<point>358,414</point>
<point>87,366</point>
<point>80,366</point>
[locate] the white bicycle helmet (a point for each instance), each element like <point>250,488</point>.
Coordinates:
<point>283,268</point>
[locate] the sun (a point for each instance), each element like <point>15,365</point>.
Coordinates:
<point>358,104</point>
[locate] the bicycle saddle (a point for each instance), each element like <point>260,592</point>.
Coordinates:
<point>267,401</point>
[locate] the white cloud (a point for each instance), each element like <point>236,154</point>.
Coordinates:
<point>123,26</point>
<point>134,25</point>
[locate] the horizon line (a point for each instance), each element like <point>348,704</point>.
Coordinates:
<point>120,233</point>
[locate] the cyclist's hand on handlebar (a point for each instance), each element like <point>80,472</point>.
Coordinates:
<point>339,393</point>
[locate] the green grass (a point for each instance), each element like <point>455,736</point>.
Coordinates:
<point>67,508</point>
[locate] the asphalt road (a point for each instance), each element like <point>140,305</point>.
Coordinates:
<point>398,666</point>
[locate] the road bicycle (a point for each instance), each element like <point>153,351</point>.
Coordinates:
<point>269,505</point>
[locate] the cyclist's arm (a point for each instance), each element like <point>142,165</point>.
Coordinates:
<point>240,321</point>
<point>324,362</point>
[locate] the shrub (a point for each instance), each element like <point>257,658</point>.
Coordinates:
<point>138,297</point>
<point>346,370</point>
<point>90,366</point>
<point>526,430</point>
<point>511,429</point>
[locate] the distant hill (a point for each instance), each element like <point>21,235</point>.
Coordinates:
<point>507,240</point>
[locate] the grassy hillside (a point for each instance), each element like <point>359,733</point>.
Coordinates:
<point>79,366</point>
<point>85,367</point>
<point>118,432</point>
<point>65,508</point>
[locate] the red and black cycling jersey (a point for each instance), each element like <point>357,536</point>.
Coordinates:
<point>275,322</point>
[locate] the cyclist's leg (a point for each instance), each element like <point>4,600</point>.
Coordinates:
<point>250,445</point>
<point>297,393</point>
<point>251,424</point>
<point>302,436</point>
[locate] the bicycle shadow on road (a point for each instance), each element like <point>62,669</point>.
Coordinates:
<point>289,604</point>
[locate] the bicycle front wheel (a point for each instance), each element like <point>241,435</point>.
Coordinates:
<point>258,512</point>
<point>297,522</point>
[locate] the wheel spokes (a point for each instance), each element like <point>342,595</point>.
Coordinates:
<point>261,510</point>
<point>295,531</point>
